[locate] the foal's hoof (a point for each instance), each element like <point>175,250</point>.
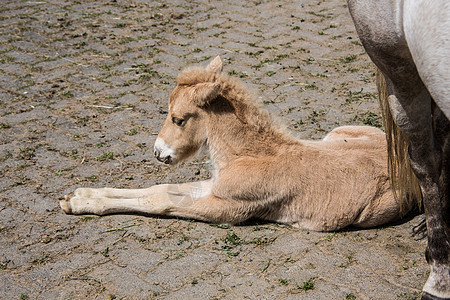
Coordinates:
<point>65,205</point>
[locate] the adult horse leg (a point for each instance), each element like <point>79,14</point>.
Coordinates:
<point>442,133</point>
<point>438,284</point>
<point>380,27</point>
<point>412,114</point>
<point>425,26</point>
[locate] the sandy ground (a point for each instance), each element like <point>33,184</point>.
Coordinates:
<point>83,93</point>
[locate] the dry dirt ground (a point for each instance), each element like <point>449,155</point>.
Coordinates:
<point>83,92</point>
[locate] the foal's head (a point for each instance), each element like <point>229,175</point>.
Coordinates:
<point>184,131</point>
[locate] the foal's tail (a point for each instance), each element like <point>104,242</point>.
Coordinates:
<point>403,181</point>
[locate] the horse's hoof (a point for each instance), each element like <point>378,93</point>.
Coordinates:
<point>65,205</point>
<point>426,296</point>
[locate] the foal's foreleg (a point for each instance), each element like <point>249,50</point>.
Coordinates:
<point>153,200</point>
<point>188,200</point>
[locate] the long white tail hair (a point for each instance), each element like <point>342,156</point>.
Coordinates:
<point>404,183</point>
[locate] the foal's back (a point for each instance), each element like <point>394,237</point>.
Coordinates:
<point>341,180</point>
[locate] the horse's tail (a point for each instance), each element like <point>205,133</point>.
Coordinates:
<point>404,183</point>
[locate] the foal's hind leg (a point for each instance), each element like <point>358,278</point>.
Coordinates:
<point>353,132</point>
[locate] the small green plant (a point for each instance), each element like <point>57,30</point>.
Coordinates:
<point>331,236</point>
<point>105,156</point>
<point>232,239</point>
<point>316,14</point>
<point>75,135</point>
<point>131,132</point>
<point>105,252</point>
<point>145,71</point>
<point>311,86</point>
<point>7,59</point>
<point>3,265</point>
<point>221,226</point>
<point>372,119</point>
<point>259,52</point>
<point>309,60</point>
<point>27,153</point>
<point>359,96</point>
<point>280,57</point>
<point>350,297</point>
<point>40,260</point>
<point>80,44</point>
<point>307,285</point>
<point>68,95</point>
<point>126,40</point>
<point>348,59</point>
<point>298,124</point>
<point>92,178</point>
<point>321,75</point>
<point>284,281</point>
<point>183,239</point>
<point>22,166</point>
<point>262,241</point>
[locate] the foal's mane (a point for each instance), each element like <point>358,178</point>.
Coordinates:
<point>245,106</point>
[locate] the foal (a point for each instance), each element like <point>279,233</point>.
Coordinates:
<point>259,170</point>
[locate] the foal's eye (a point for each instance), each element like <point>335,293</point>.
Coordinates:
<point>178,121</point>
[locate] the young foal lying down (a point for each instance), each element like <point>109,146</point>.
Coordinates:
<point>259,170</point>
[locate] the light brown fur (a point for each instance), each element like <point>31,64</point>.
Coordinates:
<point>259,170</point>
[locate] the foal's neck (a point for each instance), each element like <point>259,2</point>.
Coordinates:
<point>238,128</point>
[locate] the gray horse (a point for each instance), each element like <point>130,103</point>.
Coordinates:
<point>409,41</point>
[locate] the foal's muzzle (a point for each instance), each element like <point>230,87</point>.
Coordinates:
<point>164,159</point>
<point>163,152</point>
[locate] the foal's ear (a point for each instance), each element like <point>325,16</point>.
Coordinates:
<point>205,92</point>
<point>215,65</point>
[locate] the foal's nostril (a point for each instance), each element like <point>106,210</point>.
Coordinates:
<point>165,159</point>
<point>168,160</point>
